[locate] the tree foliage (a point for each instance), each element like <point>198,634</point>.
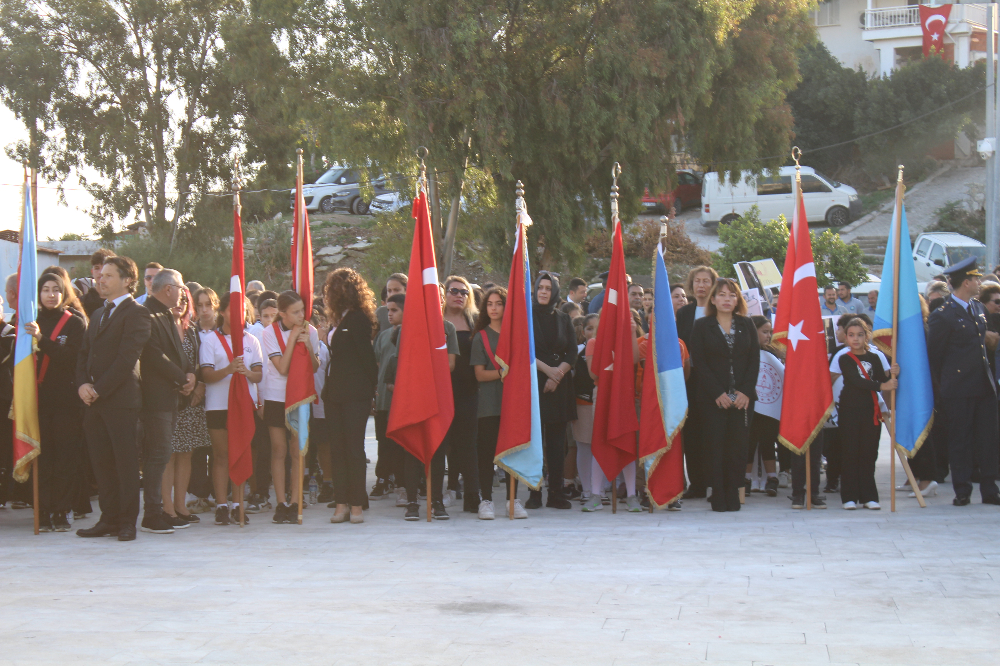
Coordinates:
<point>749,239</point>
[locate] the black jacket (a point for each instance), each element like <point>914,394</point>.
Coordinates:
<point>352,374</point>
<point>57,391</point>
<point>685,322</point>
<point>711,358</point>
<point>164,363</point>
<point>109,357</point>
<point>957,341</point>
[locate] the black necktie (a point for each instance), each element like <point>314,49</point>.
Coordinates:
<point>107,313</point>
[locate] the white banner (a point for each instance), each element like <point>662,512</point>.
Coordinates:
<point>770,382</point>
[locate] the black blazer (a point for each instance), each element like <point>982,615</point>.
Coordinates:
<point>959,361</point>
<point>685,322</point>
<point>109,357</point>
<point>711,358</point>
<point>352,374</point>
<point>164,363</point>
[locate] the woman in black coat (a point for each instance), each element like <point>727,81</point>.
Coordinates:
<point>725,355</point>
<point>555,357</point>
<point>58,332</point>
<point>351,378</point>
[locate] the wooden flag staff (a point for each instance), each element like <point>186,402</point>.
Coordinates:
<point>237,184</point>
<point>34,214</point>
<point>796,154</point>
<point>299,183</point>
<point>422,153</point>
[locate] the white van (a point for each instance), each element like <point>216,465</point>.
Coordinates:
<point>933,252</point>
<point>825,199</point>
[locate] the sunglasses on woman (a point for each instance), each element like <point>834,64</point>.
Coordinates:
<point>455,291</point>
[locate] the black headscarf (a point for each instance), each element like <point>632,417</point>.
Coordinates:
<point>538,307</point>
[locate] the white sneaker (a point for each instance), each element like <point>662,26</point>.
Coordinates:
<point>784,480</point>
<point>874,506</point>
<point>401,497</point>
<point>519,511</point>
<point>632,504</point>
<point>593,504</point>
<point>929,491</point>
<point>850,506</point>
<point>448,498</point>
<point>486,510</point>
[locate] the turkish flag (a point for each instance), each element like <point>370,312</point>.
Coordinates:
<point>808,394</point>
<point>240,424</point>
<point>422,403</point>
<point>933,21</point>
<point>615,424</point>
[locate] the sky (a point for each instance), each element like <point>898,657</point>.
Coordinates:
<point>54,219</point>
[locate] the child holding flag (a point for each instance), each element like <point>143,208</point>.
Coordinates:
<point>279,340</point>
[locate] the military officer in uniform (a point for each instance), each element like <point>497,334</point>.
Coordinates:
<point>964,388</point>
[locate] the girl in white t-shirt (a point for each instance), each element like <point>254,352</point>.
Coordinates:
<point>279,340</point>
<point>218,365</point>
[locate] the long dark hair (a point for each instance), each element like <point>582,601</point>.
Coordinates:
<point>483,320</point>
<point>69,299</point>
<point>345,289</point>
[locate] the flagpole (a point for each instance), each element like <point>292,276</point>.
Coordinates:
<point>796,154</point>
<point>237,183</point>
<point>896,226</point>
<point>615,172</point>
<point>32,185</point>
<point>299,182</point>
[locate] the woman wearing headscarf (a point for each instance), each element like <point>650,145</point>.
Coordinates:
<point>58,333</point>
<point>555,357</point>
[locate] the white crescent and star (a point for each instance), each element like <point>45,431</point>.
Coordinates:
<point>795,334</point>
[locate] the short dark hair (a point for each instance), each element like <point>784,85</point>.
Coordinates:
<point>675,286</point>
<point>266,303</point>
<point>288,298</point>
<point>829,287</point>
<point>267,294</point>
<point>100,256</point>
<point>845,284</point>
<point>398,299</point>
<point>577,282</point>
<point>126,269</point>
<point>153,264</point>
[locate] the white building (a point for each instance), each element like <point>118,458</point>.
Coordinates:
<point>879,35</point>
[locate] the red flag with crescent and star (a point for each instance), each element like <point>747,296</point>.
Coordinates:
<point>808,395</point>
<point>933,21</point>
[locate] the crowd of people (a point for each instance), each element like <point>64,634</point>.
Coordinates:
<point>133,398</point>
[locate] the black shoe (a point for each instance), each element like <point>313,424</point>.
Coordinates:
<point>222,515</point>
<point>995,499</point>
<point>818,502</point>
<point>558,502</point>
<point>747,486</point>
<point>279,514</point>
<point>176,522</point>
<point>798,501</point>
<point>534,500</point>
<point>101,529</point>
<point>438,512</point>
<point>644,502</point>
<point>59,523</point>
<point>325,494</point>
<point>412,511</point>
<point>234,516</point>
<point>571,492</point>
<point>771,487</point>
<point>692,493</point>
<point>127,533</point>
<point>379,490</point>
<point>961,501</point>
<point>292,514</point>
<point>190,518</point>
<point>155,523</point>
<point>45,523</point>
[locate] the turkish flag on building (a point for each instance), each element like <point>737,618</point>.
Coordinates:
<point>933,21</point>
<point>422,404</point>
<point>808,394</point>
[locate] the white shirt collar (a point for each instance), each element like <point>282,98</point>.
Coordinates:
<point>118,301</point>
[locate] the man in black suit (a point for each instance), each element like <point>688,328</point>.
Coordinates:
<point>700,281</point>
<point>166,374</point>
<point>964,387</point>
<point>107,374</point>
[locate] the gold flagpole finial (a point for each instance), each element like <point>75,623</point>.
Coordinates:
<point>899,178</point>
<point>616,171</point>
<point>237,183</point>
<point>797,155</point>
<point>422,153</point>
<point>520,205</point>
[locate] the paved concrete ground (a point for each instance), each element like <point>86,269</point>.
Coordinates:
<point>767,585</point>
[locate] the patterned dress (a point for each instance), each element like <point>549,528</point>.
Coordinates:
<point>191,431</point>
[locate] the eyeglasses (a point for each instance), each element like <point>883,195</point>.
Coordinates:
<point>455,291</point>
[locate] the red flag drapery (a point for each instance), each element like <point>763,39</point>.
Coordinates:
<point>240,424</point>
<point>615,422</point>
<point>933,21</point>
<point>300,388</point>
<point>807,398</point>
<point>422,404</point>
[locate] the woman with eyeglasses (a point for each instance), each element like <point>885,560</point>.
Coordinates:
<point>58,332</point>
<point>725,356</point>
<point>555,357</point>
<point>460,310</point>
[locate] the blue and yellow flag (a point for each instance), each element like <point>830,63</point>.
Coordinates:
<point>24,407</point>
<point>915,395</point>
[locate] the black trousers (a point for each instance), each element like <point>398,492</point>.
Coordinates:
<point>390,461</point>
<point>924,464</point>
<point>201,463</point>
<point>972,431</point>
<point>696,455</point>
<point>554,436</point>
<point>940,435</point>
<point>832,452</point>
<point>413,469</point>
<point>346,422</point>
<point>60,470</point>
<point>726,432</point>
<point>462,458</point>
<point>114,454</point>
<point>486,450</point>
<point>799,467</point>
<point>260,450</point>
<point>858,452</point>
<point>763,437</point>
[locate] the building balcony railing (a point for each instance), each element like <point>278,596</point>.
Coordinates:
<point>898,17</point>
